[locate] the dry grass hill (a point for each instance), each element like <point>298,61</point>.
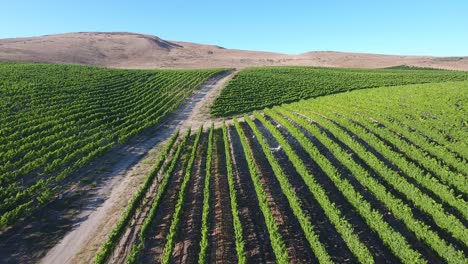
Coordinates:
<point>131,50</point>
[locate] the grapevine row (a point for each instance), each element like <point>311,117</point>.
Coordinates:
<point>392,238</point>
<point>202,257</point>
<point>396,206</point>
<point>180,202</point>
<point>240,244</point>
<point>342,225</point>
<point>116,234</point>
<point>145,228</point>
<point>257,88</point>
<point>59,118</point>
<point>277,242</point>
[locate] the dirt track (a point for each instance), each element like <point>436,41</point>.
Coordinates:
<point>81,243</point>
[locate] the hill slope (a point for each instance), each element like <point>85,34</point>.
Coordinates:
<point>58,118</point>
<point>260,87</point>
<point>131,50</point>
<point>376,175</point>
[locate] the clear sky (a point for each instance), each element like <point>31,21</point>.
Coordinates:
<point>410,27</point>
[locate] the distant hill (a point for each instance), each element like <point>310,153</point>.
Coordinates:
<point>131,50</point>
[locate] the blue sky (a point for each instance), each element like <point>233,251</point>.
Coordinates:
<point>408,27</point>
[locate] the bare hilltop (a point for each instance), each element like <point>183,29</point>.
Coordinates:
<point>131,50</point>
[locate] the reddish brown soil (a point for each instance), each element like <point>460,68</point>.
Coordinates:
<point>154,246</point>
<point>417,213</point>
<point>427,171</point>
<point>222,238</point>
<point>257,241</point>
<point>298,247</point>
<point>330,236</point>
<point>396,224</point>
<point>187,242</point>
<point>125,245</point>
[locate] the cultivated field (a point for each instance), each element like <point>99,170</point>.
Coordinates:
<point>57,118</point>
<point>376,175</point>
<point>256,88</point>
<point>320,165</point>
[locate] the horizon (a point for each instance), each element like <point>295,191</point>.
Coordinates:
<point>214,44</point>
<point>418,28</point>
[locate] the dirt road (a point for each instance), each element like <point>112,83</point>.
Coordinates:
<point>100,214</point>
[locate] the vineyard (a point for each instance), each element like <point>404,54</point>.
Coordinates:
<point>58,118</point>
<point>372,176</point>
<point>257,88</point>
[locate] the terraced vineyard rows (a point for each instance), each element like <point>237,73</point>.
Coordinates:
<point>371,176</point>
<point>257,88</point>
<point>58,118</point>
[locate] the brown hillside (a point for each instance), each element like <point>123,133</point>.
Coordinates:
<point>131,50</point>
